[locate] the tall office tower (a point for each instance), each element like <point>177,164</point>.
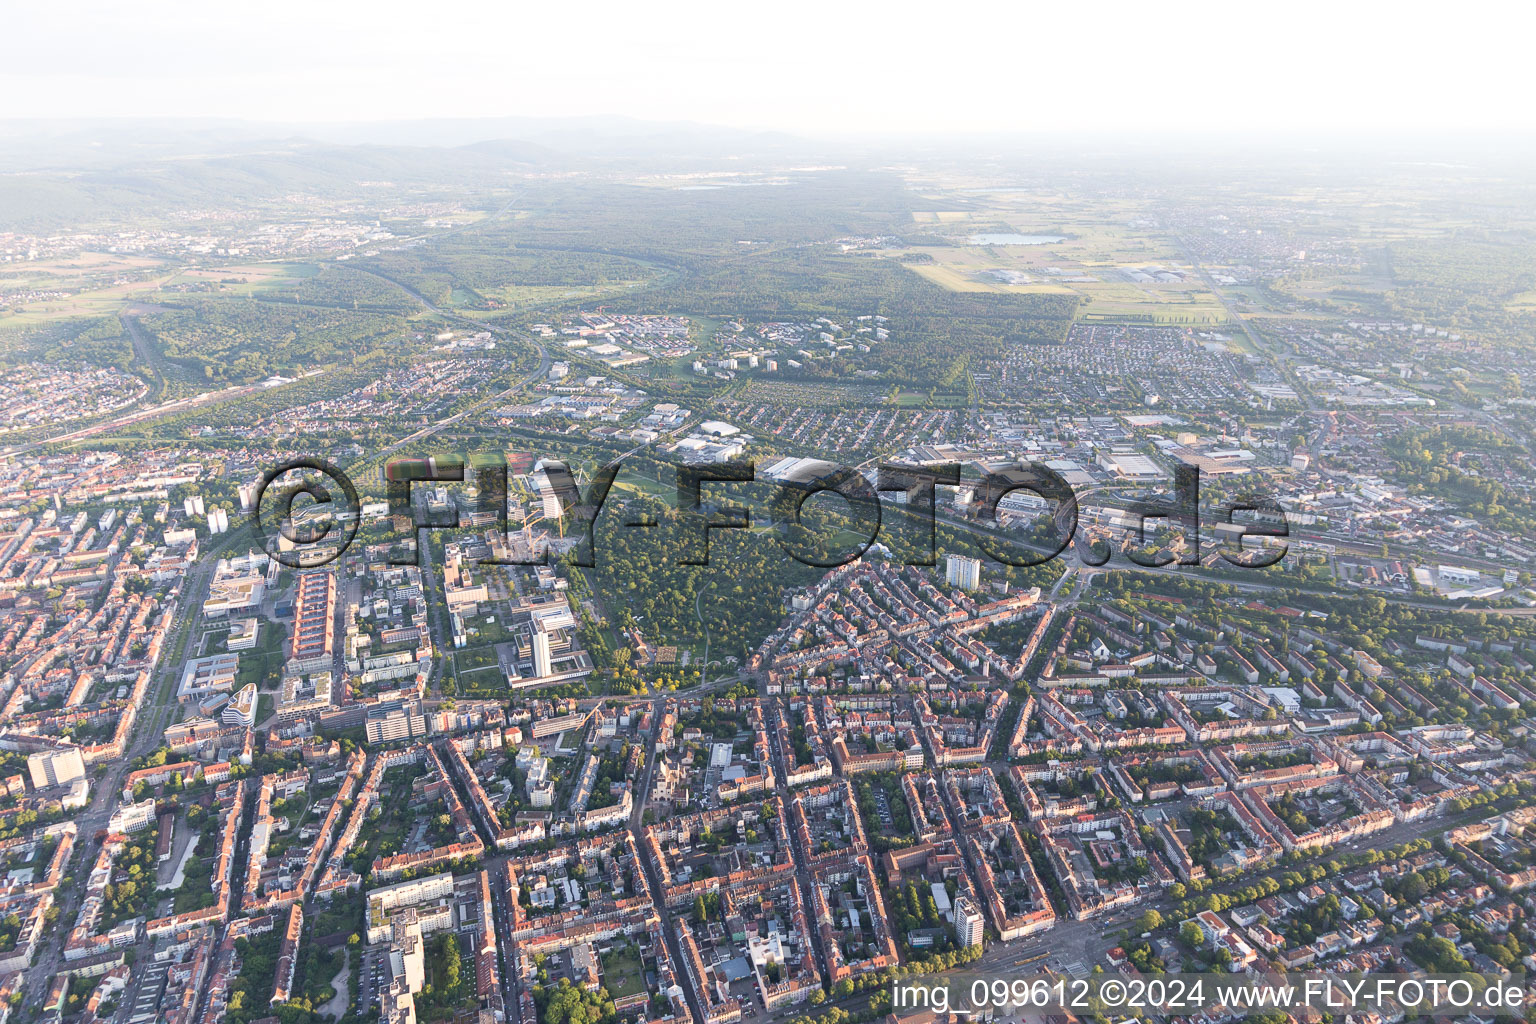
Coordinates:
<point>541,661</point>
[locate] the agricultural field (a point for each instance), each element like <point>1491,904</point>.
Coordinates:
<point>80,285</point>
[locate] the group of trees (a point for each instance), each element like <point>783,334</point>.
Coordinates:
<point>1503,793</point>
<point>1294,817</point>
<point>912,908</point>
<point>1139,952</point>
<point>573,1004</point>
<point>1320,918</point>
<point>1506,950</point>
<point>1208,829</point>
<point>195,892</point>
<point>10,931</point>
<point>1289,880</point>
<point>1436,954</point>
<point>134,895</point>
<point>706,906</point>
<point>447,986</point>
<point>1414,886</point>
<point>609,772</point>
<point>258,966</point>
<point>714,719</point>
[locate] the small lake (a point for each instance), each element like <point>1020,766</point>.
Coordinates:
<point>1011,239</point>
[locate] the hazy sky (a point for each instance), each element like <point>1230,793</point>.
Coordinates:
<point>823,67</point>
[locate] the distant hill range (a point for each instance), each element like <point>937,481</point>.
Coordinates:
<point>54,173</point>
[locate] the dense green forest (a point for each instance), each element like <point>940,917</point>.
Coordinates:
<point>94,341</point>
<point>240,341</point>
<point>1464,281</point>
<point>691,227</point>
<point>343,287</point>
<point>740,594</point>
<point>476,274</point>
